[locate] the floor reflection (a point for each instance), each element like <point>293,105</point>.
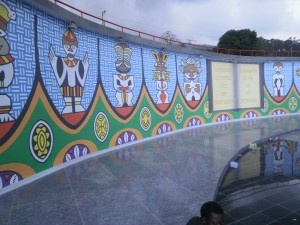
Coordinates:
<point>165,180</point>
<point>267,173</point>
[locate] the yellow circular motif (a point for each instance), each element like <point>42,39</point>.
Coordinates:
<point>179,113</point>
<point>145,118</point>
<point>266,105</point>
<point>41,139</point>
<point>207,114</point>
<point>101,126</point>
<point>293,103</point>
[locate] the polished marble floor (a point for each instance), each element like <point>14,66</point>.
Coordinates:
<point>165,181</point>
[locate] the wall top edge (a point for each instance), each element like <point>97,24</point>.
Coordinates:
<point>66,15</point>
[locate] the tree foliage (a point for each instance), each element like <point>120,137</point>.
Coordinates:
<point>247,40</point>
<point>169,37</point>
<point>238,39</point>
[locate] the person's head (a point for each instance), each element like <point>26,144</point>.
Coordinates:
<point>212,214</point>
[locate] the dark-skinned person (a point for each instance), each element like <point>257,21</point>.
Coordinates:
<point>211,213</point>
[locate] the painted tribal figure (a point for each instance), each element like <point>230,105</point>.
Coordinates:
<point>278,79</point>
<point>192,85</point>
<point>70,73</point>
<point>7,72</point>
<point>123,83</point>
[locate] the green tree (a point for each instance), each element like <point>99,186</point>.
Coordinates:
<point>238,39</point>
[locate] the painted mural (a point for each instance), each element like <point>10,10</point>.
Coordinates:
<point>70,73</point>
<point>66,93</point>
<point>279,79</point>
<point>121,75</point>
<point>192,80</point>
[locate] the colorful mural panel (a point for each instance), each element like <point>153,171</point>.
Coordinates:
<point>160,77</point>
<point>278,79</point>
<point>68,92</point>
<point>121,75</point>
<point>17,63</point>
<point>192,78</point>
<point>70,67</point>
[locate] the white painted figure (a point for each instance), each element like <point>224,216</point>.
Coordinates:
<point>161,76</point>
<point>278,157</point>
<point>123,83</point>
<point>278,79</point>
<point>70,73</point>
<point>191,69</point>
<point>6,62</point>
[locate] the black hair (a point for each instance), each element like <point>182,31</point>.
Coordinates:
<point>210,207</point>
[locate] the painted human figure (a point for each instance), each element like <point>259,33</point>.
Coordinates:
<point>6,62</point>
<point>70,73</point>
<point>192,85</point>
<point>123,83</point>
<point>161,76</point>
<point>278,158</point>
<point>278,79</point>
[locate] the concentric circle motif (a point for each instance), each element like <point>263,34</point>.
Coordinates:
<point>278,112</point>
<point>249,115</point>
<point>194,122</point>
<point>8,178</point>
<point>145,119</point>
<point>223,118</point>
<point>41,141</point>
<point>266,105</point>
<point>76,151</point>
<point>178,113</point>
<point>164,142</point>
<point>164,128</point>
<point>127,154</point>
<point>293,103</point>
<point>101,126</point>
<point>207,114</point>
<point>278,115</point>
<point>126,137</point>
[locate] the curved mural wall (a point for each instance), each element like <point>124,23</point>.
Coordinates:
<point>67,93</point>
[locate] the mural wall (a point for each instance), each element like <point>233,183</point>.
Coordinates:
<point>66,93</point>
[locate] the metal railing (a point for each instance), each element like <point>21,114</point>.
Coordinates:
<point>269,53</point>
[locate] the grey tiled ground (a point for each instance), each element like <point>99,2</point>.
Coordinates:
<point>162,181</point>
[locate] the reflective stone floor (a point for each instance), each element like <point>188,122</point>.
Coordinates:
<point>166,180</point>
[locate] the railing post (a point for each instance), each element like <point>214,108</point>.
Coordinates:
<point>217,49</point>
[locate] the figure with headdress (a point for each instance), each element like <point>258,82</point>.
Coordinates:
<point>70,73</point>
<point>278,79</point>
<point>191,69</point>
<point>6,62</point>
<point>161,76</point>
<point>123,82</point>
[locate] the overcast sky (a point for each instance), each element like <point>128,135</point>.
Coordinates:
<point>203,21</point>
